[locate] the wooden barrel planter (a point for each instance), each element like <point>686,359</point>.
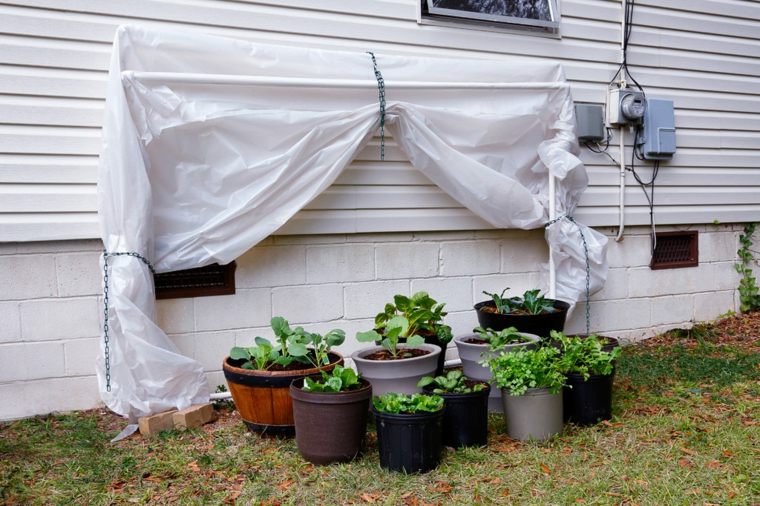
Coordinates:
<point>262,397</point>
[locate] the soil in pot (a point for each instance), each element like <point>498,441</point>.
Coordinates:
<point>409,443</point>
<point>587,402</point>
<point>539,324</point>
<point>330,427</point>
<point>537,414</point>
<point>465,417</point>
<point>263,398</point>
<point>397,375</point>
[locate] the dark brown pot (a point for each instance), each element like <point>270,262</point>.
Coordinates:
<point>330,427</point>
<point>263,398</point>
<point>539,324</point>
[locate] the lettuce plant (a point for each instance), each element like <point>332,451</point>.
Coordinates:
<point>396,403</point>
<point>454,382</point>
<point>339,379</point>
<point>501,338</point>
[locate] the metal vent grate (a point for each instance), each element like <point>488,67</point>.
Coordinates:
<point>676,249</point>
<point>212,279</point>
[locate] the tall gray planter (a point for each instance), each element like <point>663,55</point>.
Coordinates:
<point>537,414</point>
<point>399,376</point>
<point>471,354</point>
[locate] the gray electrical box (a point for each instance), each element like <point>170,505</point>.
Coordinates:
<point>590,121</point>
<point>657,138</point>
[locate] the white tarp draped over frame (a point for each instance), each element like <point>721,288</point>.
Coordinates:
<point>194,173</point>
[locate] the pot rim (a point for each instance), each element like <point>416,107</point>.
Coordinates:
<point>483,393</point>
<point>433,349</point>
<point>530,392</point>
<point>592,377</point>
<point>409,416</point>
<point>560,305</point>
<point>347,396</point>
<point>459,340</point>
<point>226,366</point>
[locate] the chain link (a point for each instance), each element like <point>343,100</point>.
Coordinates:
<point>588,265</point>
<point>381,98</point>
<point>106,337</point>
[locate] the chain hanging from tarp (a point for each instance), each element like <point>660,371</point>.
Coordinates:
<point>381,99</point>
<point>588,265</point>
<point>106,347</point>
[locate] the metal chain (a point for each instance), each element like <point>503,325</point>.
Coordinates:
<point>106,338</point>
<point>381,98</point>
<point>588,265</point>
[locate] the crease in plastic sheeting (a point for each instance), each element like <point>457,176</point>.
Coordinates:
<point>192,174</point>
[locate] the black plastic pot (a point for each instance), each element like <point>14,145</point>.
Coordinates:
<point>539,324</point>
<point>587,402</point>
<point>330,427</point>
<point>410,443</point>
<point>465,419</point>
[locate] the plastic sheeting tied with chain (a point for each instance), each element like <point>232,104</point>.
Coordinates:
<point>198,170</point>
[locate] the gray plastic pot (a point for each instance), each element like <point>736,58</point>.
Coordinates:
<point>537,414</point>
<point>471,354</point>
<point>399,376</point>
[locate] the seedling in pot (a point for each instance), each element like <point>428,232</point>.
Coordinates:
<point>530,303</point>
<point>393,329</point>
<point>498,339</point>
<point>340,379</point>
<point>395,403</point>
<point>292,346</point>
<point>454,382</point>
<point>424,314</point>
<point>584,355</point>
<point>517,371</point>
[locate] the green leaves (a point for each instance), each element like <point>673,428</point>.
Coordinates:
<point>584,355</point>
<point>395,403</point>
<point>749,296</point>
<point>454,382</point>
<point>339,379</point>
<point>530,303</point>
<point>293,345</point>
<point>517,371</point>
<point>499,339</point>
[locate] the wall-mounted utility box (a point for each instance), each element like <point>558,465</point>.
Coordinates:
<point>657,138</point>
<point>589,119</point>
<point>625,106</point>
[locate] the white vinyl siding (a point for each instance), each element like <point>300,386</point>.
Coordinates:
<point>703,54</point>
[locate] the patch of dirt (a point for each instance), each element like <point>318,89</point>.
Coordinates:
<point>741,331</point>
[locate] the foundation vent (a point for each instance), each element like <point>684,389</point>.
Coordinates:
<point>676,249</point>
<point>212,279</point>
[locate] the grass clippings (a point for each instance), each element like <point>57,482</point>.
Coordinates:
<point>686,430</point>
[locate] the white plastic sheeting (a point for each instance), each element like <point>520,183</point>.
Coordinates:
<point>198,169</point>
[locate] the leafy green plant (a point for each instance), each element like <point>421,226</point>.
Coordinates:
<point>425,315</point>
<point>292,345</point>
<point>531,302</point>
<point>499,339</point>
<point>454,382</point>
<point>585,356</point>
<point>517,371</point>
<point>748,290</point>
<point>408,318</point>
<point>339,379</point>
<point>396,403</point>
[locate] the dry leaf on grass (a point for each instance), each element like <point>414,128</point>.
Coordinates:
<point>546,469</point>
<point>285,485</point>
<point>370,498</point>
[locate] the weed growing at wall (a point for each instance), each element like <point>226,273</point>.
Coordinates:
<point>748,290</point>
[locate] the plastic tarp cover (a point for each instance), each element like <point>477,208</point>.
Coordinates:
<point>193,173</point>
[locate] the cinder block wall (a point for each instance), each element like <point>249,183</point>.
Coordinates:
<point>50,303</point>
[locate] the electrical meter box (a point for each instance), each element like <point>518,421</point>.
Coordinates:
<point>657,137</point>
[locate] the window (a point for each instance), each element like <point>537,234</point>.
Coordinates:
<point>539,15</point>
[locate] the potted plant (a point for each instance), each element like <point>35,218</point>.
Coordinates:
<point>531,383</point>
<point>487,343</point>
<point>408,431</point>
<point>590,371</point>
<point>465,419</point>
<point>393,367</point>
<point>425,316</point>
<point>330,415</point>
<point>259,376</point>
<point>531,313</point>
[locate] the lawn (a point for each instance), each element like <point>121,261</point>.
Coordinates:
<point>686,430</point>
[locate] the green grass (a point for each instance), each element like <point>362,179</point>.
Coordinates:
<point>686,431</point>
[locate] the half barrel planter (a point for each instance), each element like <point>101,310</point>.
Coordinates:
<point>538,324</point>
<point>330,426</point>
<point>401,375</point>
<point>263,397</point>
<point>471,355</point>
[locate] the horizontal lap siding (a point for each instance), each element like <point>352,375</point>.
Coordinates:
<point>704,55</point>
